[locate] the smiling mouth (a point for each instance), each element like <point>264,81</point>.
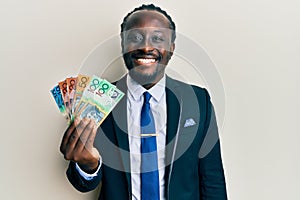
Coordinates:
<point>146,61</point>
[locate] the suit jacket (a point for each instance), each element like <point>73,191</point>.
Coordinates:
<point>193,169</point>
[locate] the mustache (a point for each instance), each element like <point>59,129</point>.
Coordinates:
<point>142,54</point>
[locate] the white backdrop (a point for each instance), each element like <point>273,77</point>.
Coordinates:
<point>254,45</point>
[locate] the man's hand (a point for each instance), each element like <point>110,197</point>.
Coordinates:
<point>78,144</point>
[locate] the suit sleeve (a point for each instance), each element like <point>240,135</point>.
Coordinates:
<point>79,182</point>
<point>212,179</point>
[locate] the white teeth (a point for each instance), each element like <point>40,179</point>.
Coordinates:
<point>146,60</point>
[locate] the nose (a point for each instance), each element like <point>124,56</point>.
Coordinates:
<point>147,45</point>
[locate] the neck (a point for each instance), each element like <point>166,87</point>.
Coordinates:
<point>148,86</point>
<point>156,80</point>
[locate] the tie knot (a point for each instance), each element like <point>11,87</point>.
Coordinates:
<point>147,97</point>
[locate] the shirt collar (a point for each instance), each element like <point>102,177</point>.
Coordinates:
<point>136,90</point>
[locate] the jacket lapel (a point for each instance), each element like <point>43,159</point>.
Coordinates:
<point>173,108</point>
<point>121,129</point>
<point>173,97</point>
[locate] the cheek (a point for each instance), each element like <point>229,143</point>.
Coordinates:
<point>130,46</point>
<point>162,46</point>
<point>127,47</point>
<point>165,54</point>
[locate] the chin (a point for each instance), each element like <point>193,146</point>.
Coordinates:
<point>146,78</point>
<point>143,78</point>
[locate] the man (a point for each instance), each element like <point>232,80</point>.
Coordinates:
<point>177,116</point>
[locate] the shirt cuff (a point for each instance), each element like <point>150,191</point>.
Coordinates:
<point>85,175</point>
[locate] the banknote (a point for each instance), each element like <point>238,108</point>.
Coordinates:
<point>107,96</point>
<point>87,97</point>
<point>97,92</point>
<point>101,94</point>
<point>64,91</point>
<point>71,86</point>
<point>116,95</point>
<point>82,82</point>
<point>89,93</point>
<point>92,111</point>
<point>56,93</point>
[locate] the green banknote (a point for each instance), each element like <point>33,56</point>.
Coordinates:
<point>102,95</point>
<point>92,111</point>
<point>90,90</point>
<point>90,97</point>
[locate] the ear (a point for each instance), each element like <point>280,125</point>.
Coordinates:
<point>122,42</point>
<point>172,48</point>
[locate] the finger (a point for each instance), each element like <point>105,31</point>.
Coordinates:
<point>90,142</point>
<point>84,137</point>
<point>72,141</point>
<point>66,136</point>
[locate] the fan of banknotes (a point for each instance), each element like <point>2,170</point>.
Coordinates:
<point>86,97</point>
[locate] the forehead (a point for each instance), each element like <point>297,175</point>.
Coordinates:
<point>147,18</point>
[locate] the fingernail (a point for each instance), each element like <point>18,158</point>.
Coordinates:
<point>76,120</point>
<point>86,120</point>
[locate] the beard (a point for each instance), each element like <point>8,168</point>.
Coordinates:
<point>146,79</point>
<point>143,78</point>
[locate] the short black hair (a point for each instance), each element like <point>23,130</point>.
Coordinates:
<point>152,8</point>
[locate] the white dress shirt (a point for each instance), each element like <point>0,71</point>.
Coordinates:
<point>135,100</point>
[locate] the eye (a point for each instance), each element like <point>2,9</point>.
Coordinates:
<point>157,39</point>
<point>135,37</point>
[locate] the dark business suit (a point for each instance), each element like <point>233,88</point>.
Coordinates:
<point>194,168</point>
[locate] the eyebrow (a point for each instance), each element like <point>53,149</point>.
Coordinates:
<point>137,31</point>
